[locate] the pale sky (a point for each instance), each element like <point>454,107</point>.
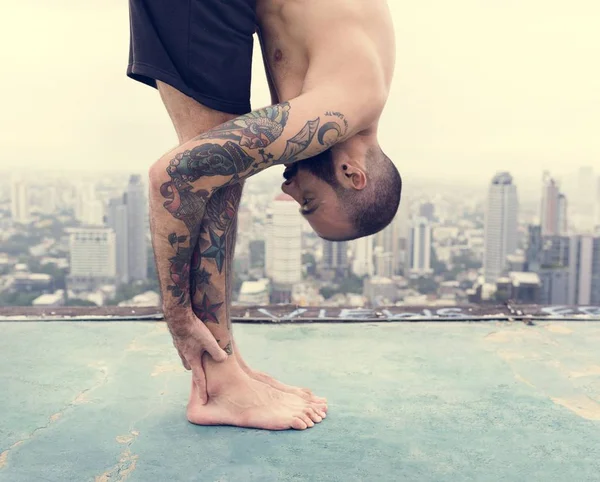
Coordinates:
<point>480,86</point>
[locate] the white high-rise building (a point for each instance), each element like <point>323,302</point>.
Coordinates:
<point>89,209</point>
<point>389,241</point>
<point>117,220</point>
<point>137,211</point>
<point>420,247</point>
<point>92,253</point>
<point>284,242</point>
<point>500,225</point>
<point>19,202</point>
<point>362,264</point>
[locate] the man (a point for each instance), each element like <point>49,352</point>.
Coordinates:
<point>330,66</point>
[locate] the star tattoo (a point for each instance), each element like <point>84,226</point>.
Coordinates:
<point>207,311</point>
<point>216,250</point>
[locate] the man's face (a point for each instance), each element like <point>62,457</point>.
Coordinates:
<point>310,182</point>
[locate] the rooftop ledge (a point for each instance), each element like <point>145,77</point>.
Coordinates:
<point>298,314</point>
<point>407,401</point>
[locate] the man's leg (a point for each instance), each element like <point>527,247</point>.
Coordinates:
<point>234,397</point>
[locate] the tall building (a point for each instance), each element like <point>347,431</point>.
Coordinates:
<point>335,257</point>
<point>89,210</point>
<point>501,216</point>
<point>92,253</point>
<point>384,263</point>
<point>116,218</point>
<point>420,247</point>
<point>585,199</point>
<point>584,270</point>
<point>284,248</point>
<point>19,202</point>
<point>548,256</point>
<point>126,215</point>
<point>137,231</point>
<point>389,241</point>
<point>563,226</point>
<point>362,262</point>
<point>549,215</point>
<point>597,207</point>
<point>427,211</point>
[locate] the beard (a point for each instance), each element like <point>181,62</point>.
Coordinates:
<point>320,166</point>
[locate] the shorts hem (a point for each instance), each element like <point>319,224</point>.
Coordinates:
<point>148,74</point>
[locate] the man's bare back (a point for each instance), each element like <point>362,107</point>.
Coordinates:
<point>309,43</point>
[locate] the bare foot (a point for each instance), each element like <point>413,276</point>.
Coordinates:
<point>304,393</point>
<point>234,398</point>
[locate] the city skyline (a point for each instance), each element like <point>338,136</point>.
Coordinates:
<point>467,100</point>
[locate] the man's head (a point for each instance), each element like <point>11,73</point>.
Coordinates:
<point>345,197</point>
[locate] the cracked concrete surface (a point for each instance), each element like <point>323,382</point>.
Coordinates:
<point>428,402</point>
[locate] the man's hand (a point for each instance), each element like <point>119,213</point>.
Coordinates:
<point>192,339</point>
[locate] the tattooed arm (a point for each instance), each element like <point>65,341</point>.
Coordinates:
<point>182,182</point>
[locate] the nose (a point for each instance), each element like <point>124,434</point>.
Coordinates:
<point>288,188</point>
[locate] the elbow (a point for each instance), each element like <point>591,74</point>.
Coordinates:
<point>157,174</point>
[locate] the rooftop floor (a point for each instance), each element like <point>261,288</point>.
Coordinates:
<point>407,401</point>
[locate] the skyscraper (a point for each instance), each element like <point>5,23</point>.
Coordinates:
<point>116,218</point>
<point>563,227</point>
<point>389,241</point>
<point>335,257</point>
<point>362,263</point>
<point>137,255</point>
<point>420,247</point>
<point>92,254</point>
<point>500,225</point>
<point>585,199</point>
<point>284,247</point>
<point>584,270</point>
<point>89,210</point>
<point>427,211</point>
<point>19,202</point>
<point>549,208</point>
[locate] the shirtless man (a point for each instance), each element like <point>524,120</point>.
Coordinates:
<point>331,66</point>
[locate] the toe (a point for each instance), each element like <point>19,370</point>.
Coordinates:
<point>307,420</point>
<point>299,424</point>
<point>314,416</point>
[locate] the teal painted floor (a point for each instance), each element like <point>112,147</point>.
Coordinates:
<point>418,402</point>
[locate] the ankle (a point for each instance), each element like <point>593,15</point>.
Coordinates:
<point>220,375</point>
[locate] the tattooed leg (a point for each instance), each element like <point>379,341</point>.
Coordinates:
<point>229,386</point>
<point>211,278</point>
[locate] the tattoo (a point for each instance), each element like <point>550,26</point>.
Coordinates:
<point>254,130</point>
<point>207,311</point>
<point>179,270</point>
<point>298,143</point>
<point>232,160</point>
<point>216,250</point>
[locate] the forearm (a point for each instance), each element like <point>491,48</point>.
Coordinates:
<point>212,262</point>
<point>279,134</point>
<point>175,217</point>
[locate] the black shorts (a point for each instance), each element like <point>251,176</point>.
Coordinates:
<point>202,48</point>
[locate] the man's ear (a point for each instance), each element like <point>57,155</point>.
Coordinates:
<point>354,177</point>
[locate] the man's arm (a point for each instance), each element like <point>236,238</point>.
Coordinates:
<point>182,182</point>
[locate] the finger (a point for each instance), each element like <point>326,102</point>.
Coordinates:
<point>216,352</point>
<point>199,379</point>
<point>186,365</point>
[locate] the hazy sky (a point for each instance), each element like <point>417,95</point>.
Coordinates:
<point>479,86</point>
